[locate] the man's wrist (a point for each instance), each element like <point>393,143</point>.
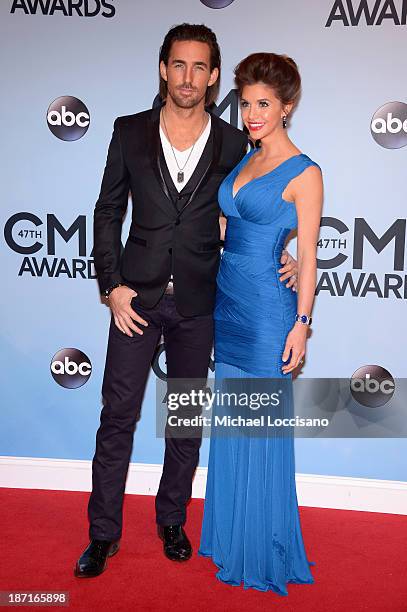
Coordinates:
<point>109,290</point>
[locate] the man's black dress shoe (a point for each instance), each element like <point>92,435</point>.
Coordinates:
<point>94,558</point>
<point>177,547</point>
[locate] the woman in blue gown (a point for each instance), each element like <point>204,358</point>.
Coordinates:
<point>251,527</point>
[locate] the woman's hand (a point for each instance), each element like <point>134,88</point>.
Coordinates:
<point>295,344</point>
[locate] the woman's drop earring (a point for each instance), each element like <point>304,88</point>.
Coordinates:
<point>284,121</point>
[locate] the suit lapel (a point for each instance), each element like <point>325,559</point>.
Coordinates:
<point>166,204</point>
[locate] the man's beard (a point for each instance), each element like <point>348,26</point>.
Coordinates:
<point>182,102</point>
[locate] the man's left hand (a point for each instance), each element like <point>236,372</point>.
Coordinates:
<point>289,270</point>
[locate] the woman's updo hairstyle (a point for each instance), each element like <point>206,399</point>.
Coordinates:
<point>279,72</point>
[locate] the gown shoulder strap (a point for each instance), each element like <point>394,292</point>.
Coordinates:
<point>295,167</point>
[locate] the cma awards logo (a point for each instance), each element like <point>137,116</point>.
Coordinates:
<point>28,234</point>
<point>70,368</point>
<point>389,125</point>
<point>335,249</point>
<point>368,12</point>
<point>372,386</point>
<point>65,8</point>
<point>68,118</point>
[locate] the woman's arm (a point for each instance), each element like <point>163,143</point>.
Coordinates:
<point>308,196</point>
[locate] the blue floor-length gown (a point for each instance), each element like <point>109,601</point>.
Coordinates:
<point>251,527</point>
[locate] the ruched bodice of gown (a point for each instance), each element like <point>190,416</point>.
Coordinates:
<point>254,310</point>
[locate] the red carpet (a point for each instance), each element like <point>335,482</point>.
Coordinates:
<point>361,560</point>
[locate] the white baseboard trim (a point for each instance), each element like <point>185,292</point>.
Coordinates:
<point>344,493</point>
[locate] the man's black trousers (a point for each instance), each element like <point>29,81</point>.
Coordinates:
<point>188,344</point>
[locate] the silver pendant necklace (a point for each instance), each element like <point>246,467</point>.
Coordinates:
<point>180,174</point>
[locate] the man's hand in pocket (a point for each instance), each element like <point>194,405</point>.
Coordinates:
<point>123,314</point>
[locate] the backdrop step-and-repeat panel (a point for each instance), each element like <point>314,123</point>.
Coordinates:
<point>68,70</point>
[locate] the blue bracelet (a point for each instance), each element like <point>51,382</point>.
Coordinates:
<point>303,319</point>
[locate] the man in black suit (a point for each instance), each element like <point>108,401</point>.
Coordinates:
<point>172,160</point>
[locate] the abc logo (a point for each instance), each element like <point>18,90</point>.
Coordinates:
<point>217,4</point>
<point>158,362</point>
<point>389,125</point>
<point>68,118</point>
<point>70,368</point>
<point>372,386</point>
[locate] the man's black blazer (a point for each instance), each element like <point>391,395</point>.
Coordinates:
<point>162,237</point>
